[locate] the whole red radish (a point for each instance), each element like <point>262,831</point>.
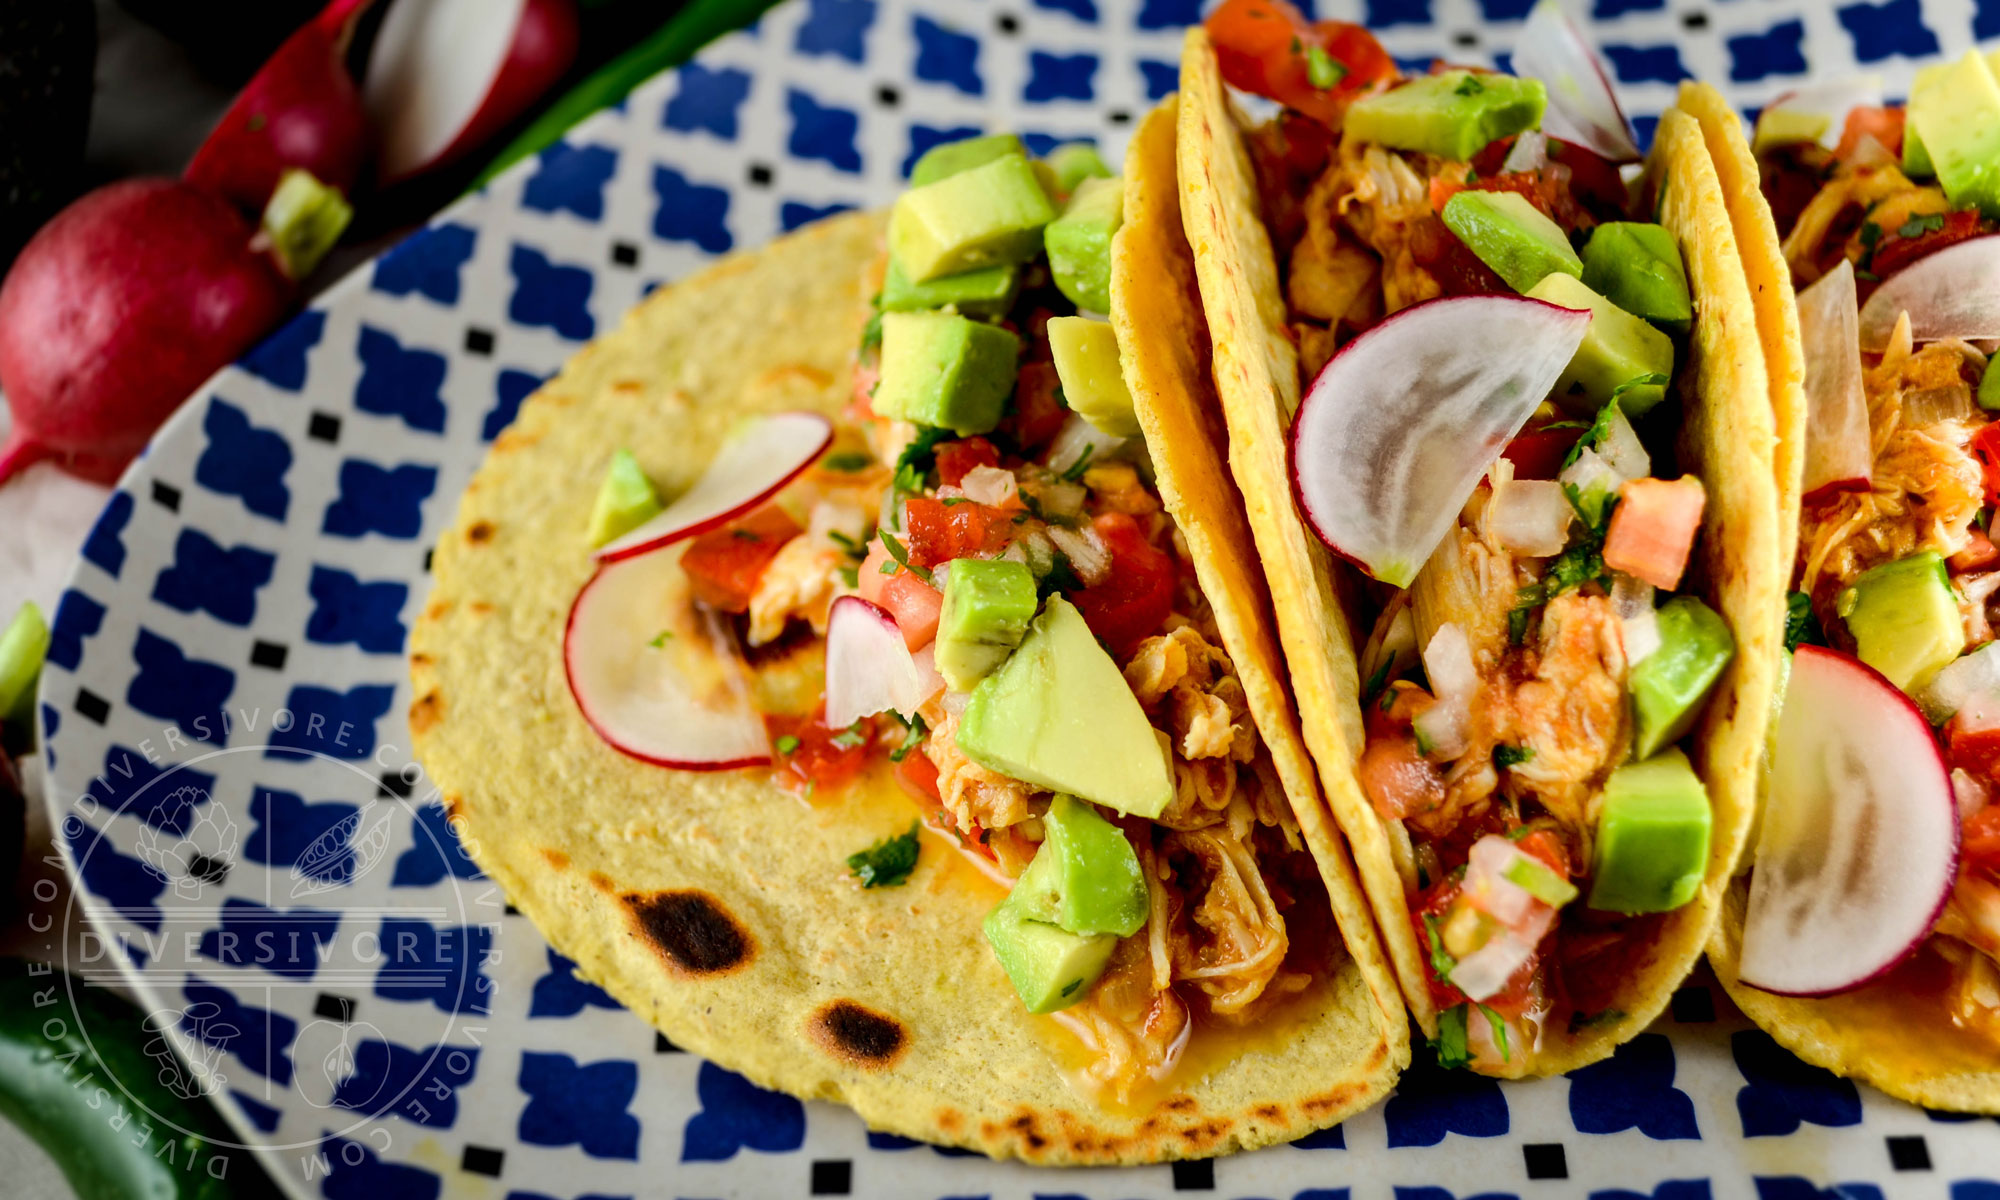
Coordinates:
<point>302,109</point>
<point>117,310</point>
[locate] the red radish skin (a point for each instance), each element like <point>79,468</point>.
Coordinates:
<point>302,109</point>
<point>116,311</point>
<point>1583,108</point>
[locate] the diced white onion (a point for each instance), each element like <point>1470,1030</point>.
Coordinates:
<point>988,485</point>
<point>1530,152</point>
<point>1632,602</point>
<point>1594,479</point>
<point>1445,726</point>
<point>1059,501</point>
<point>1970,677</point>
<point>1392,644</point>
<point>1073,438</point>
<point>930,682</point>
<point>1486,970</point>
<point>1623,450</point>
<point>1641,635</point>
<point>1531,517</point>
<point>1086,552</point>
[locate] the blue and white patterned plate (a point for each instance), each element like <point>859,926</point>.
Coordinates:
<point>223,708</point>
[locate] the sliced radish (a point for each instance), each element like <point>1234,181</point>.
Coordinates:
<point>446,75</point>
<point>1954,293</point>
<point>1401,423</point>
<point>869,668</point>
<point>748,470</point>
<point>1582,107</point>
<point>1860,833</point>
<point>1815,113</point>
<point>1840,451</point>
<point>657,677</point>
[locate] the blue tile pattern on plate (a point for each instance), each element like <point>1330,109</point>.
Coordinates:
<point>268,556</point>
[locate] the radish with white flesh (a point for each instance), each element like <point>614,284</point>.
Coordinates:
<point>1815,113</point>
<point>1859,843</point>
<point>1840,451</point>
<point>658,678</point>
<point>869,668</point>
<point>1582,107</point>
<point>446,75</point>
<point>751,467</point>
<point>1395,433</point>
<point>1954,293</point>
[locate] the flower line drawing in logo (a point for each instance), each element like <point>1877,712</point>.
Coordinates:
<point>189,861</point>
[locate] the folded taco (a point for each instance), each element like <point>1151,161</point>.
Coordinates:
<point>1520,529</point>
<point>929,751</point>
<point>1866,934</point>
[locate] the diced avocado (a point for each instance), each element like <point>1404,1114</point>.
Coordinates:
<point>1540,880</point>
<point>1787,126</point>
<point>1050,967</point>
<point>987,606</point>
<point>1079,243</point>
<point>625,500</point>
<point>1916,160</point>
<point>1638,267</point>
<point>1453,114</point>
<point>1669,685</point>
<point>1074,162</point>
<point>22,648</point>
<point>954,158</point>
<point>1093,884</point>
<point>1086,354</point>
<point>988,216</point>
<point>987,292</point>
<point>1904,618</point>
<point>1512,236</point>
<point>1989,386</point>
<point>1957,118</point>
<point>1059,715</point>
<point>1617,349</point>
<point>1652,837</point>
<point>946,371</point>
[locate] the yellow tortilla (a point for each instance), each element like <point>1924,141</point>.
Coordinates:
<point>717,906</point>
<point>1728,440</point>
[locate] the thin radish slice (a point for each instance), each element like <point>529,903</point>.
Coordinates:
<point>1402,422</point>
<point>869,668</point>
<point>1954,293</point>
<point>658,678</point>
<point>1582,107</point>
<point>1815,113</point>
<point>748,470</point>
<point>1840,451</point>
<point>1859,844</point>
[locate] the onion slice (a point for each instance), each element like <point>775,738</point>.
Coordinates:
<point>1404,420</point>
<point>1954,293</point>
<point>657,678</point>
<point>1969,681</point>
<point>1859,843</point>
<point>1840,451</point>
<point>751,467</point>
<point>1819,108</point>
<point>869,668</point>
<point>1582,107</point>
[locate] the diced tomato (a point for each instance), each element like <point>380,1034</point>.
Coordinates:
<point>1308,144</point>
<point>1038,412</point>
<point>915,605</point>
<point>1593,179</point>
<point>1974,751</point>
<point>1443,188</point>
<point>1539,453</point>
<point>724,565</point>
<point>823,759</point>
<point>1980,840</point>
<point>937,532</point>
<point>1394,773</point>
<point>1897,252</point>
<point>1979,553</point>
<point>861,404</point>
<point>919,777</point>
<point>1138,591</point>
<point>956,460</point>
<point>1543,845</point>
<point>1264,47</point>
<point>1985,447</point>
<point>1458,271</point>
<point>1513,997</point>
<point>1885,125</point>
<point>1653,527</point>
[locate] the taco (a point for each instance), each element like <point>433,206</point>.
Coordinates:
<point>929,753</point>
<point>1882,216</point>
<point>1538,687</point>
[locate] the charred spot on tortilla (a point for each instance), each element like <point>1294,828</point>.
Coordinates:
<point>426,711</point>
<point>555,858</point>
<point>691,930</point>
<point>480,533</point>
<point>858,1035</point>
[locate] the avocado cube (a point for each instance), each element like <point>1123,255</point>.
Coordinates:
<point>1957,117</point>
<point>1669,685</point>
<point>1916,160</point>
<point>1074,162</point>
<point>1058,714</point>
<point>1079,243</point>
<point>1095,885</point>
<point>1786,127</point>
<point>1512,236</point>
<point>1989,386</point>
<point>987,292</point>
<point>1652,837</point>
<point>987,606</point>
<point>1638,267</point>
<point>953,158</point>
<point>990,215</point>
<point>1453,114</point>
<point>946,371</point>
<point>1093,384</point>
<point>1050,967</point>
<point>1904,618</point>
<point>625,500</point>
<point>23,647</point>
<point>1617,349</point>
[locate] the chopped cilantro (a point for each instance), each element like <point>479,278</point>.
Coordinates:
<point>660,639</point>
<point>1377,681</point>
<point>1469,86</point>
<point>898,556</point>
<point>1871,234</point>
<point>1869,276</point>
<point>887,863</point>
<point>1322,70</point>
<point>909,481</point>
<point>1298,47</point>
<point>1069,988</point>
<point>1511,756</point>
<point>1499,1028</point>
<point>1074,471</point>
<point>1577,565</point>
<point>1526,601</point>
<point>787,745</point>
<point>1450,1043</point>
<point>850,575</point>
<point>745,535</point>
<point>850,737</point>
<point>1388,699</point>
<point>848,461</point>
<point>1441,960</point>
<point>871,333</point>
<point>911,740</point>
<point>1062,577</point>
<point>921,453</point>
<point>1801,627</point>
<point>1652,379</point>
<point>1599,429</point>
<point>1918,226</point>
<point>857,549</point>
